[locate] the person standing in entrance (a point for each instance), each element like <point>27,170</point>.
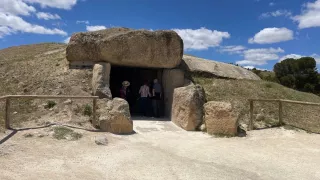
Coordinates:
<point>124,91</point>
<point>144,94</point>
<point>157,94</point>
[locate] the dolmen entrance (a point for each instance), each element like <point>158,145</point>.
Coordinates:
<point>137,56</point>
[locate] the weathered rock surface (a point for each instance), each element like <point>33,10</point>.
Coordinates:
<point>214,68</point>
<point>187,107</point>
<point>114,116</point>
<point>220,118</point>
<point>171,79</point>
<point>101,80</point>
<point>127,47</point>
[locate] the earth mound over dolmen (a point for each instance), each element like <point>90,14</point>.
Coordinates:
<point>184,102</point>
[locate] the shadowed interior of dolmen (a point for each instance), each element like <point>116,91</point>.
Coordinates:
<point>137,77</point>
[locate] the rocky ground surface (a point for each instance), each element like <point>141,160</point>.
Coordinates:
<point>157,150</point>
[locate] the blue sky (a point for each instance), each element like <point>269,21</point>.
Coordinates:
<point>252,33</point>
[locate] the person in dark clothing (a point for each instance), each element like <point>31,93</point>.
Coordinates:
<point>156,99</point>
<point>124,91</point>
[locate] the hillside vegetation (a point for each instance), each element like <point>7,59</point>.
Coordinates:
<point>40,69</point>
<point>266,113</point>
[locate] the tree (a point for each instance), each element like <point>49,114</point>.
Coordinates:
<point>309,88</point>
<point>288,81</point>
<point>300,74</point>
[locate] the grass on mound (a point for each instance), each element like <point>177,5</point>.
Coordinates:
<point>239,91</point>
<point>38,69</point>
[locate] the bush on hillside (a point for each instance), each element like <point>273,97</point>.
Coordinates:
<point>300,74</point>
<point>50,104</point>
<point>87,110</point>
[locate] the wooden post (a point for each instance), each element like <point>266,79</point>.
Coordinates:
<point>7,113</point>
<point>251,116</point>
<point>94,112</point>
<point>280,113</point>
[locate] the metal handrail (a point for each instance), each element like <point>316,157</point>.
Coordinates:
<point>9,97</point>
<point>280,101</point>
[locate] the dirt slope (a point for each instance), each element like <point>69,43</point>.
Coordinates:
<point>38,69</point>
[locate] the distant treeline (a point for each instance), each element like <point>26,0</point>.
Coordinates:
<point>300,74</point>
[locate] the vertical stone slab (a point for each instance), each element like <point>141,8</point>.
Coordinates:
<point>114,116</point>
<point>101,80</point>
<point>171,79</point>
<point>187,107</point>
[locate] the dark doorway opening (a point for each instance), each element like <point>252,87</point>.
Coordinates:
<point>136,77</point>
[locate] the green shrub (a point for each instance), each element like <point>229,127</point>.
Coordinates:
<point>61,132</point>
<point>309,87</point>
<point>87,110</point>
<point>50,104</point>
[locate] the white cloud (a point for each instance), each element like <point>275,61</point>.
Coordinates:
<point>277,13</point>
<point>272,35</point>
<point>201,39</point>
<point>252,67</point>
<point>310,16</point>
<point>316,57</point>
<point>5,31</point>
<point>16,7</point>
<point>248,67</point>
<point>95,28</point>
<point>83,22</point>
<point>60,4</point>
<point>260,56</point>
<point>67,40</point>
<point>11,12</point>
<point>15,23</point>
<point>297,56</point>
<point>291,56</point>
<point>272,4</point>
<point>47,16</point>
<point>232,49</point>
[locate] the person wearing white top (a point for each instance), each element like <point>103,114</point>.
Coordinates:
<point>144,94</point>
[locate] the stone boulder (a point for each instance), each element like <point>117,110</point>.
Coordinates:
<point>101,80</point>
<point>127,47</point>
<point>114,116</point>
<point>171,79</point>
<point>220,118</point>
<point>214,68</point>
<point>187,107</point>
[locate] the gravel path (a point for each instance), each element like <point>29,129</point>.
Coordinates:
<point>160,150</point>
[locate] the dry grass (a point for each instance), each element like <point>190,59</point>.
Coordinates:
<point>266,113</point>
<point>39,69</point>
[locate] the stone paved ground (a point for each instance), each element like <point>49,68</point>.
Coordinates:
<point>160,150</point>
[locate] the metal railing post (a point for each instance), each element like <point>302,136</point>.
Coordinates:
<point>94,113</point>
<point>280,113</point>
<point>251,116</point>
<point>7,113</point>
